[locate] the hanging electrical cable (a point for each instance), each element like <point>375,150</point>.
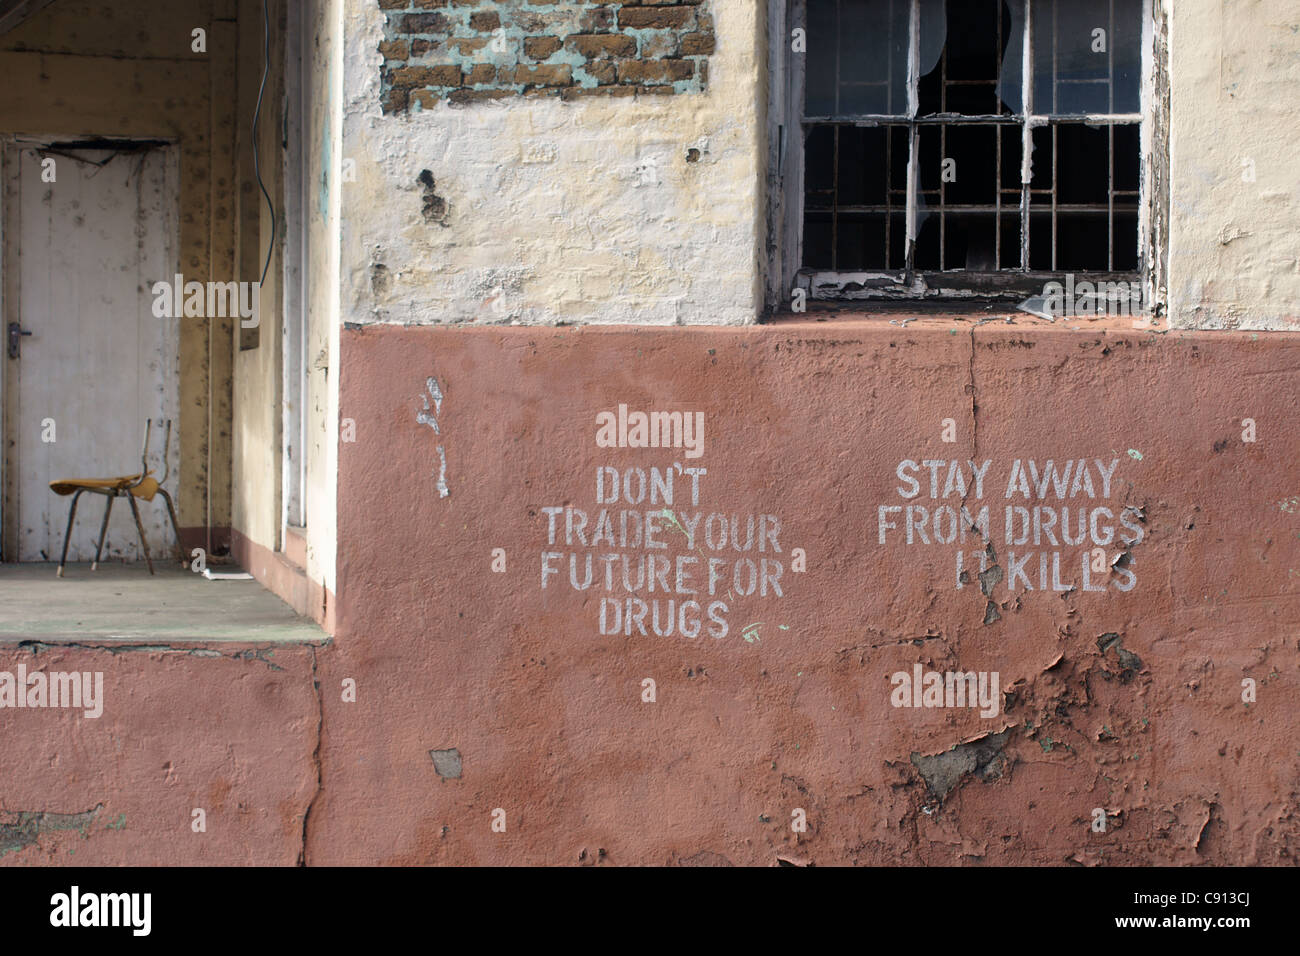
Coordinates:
<point>257,113</point>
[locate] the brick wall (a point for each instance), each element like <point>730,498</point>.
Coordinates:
<point>467,51</point>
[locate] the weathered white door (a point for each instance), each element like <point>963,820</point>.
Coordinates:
<point>85,239</point>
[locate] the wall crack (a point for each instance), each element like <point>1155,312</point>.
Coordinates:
<point>315,757</point>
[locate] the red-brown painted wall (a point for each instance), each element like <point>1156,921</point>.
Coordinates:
<point>230,731</point>
<point>1127,701</point>
<point>808,422</point>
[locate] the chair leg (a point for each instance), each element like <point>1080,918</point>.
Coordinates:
<point>72,514</point>
<point>103,530</point>
<point>135,511</point>
<point>180,550</point>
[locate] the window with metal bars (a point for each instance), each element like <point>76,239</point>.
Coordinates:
<point>958,146</point>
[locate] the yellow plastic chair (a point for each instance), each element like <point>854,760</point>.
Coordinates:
<point>141,485</point>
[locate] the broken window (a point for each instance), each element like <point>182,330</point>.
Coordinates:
<point>976,144</point>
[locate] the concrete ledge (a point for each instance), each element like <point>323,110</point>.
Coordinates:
<point>124,604</point>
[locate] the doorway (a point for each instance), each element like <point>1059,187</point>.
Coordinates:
<point>88,228</point>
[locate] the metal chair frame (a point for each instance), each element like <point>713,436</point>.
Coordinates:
<point>124,491</point>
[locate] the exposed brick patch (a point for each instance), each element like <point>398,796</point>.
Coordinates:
<point>413,76</point>
<point>543,75</point>
<point>414,23</point>
<point>480,74</point>
<point>697,44</point>
<point>654,71</point>
<point>592,47</point>
<point>539,48</point>
<point>654,18</point>
<point>472,51</point>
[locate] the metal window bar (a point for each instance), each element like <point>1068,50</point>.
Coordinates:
<point>1026,129</point>
<point>835,195</point>
<point>997,166</point>
<point>1110,141</point>
<point>943,156</point>
<point>1027,120</point>
<point>889,185</point>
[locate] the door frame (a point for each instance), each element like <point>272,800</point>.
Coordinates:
<point>12,145</point>
<point>296,278</point>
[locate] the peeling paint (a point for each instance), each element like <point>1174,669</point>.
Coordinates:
<point>443,490</point>
<point>424,418</point>
<point>943,772</point>
<point>28,827</point>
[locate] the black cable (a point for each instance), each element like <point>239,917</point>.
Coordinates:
<point>257,164</point>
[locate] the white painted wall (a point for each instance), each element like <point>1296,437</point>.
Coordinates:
<point>581,212</point>
<point>1235,245</point>
<point>553,221</point>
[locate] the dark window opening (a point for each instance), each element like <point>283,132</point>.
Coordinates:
<point>928,149</point>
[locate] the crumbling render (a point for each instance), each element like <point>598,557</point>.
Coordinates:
<point>982,757</point>
<point>447,763</point>
<point>1129,662</point>
<point>435,209</point>
<point>29,825</point>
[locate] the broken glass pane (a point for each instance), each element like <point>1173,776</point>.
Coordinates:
<point>963,45</point>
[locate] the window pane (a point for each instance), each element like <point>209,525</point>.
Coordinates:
<point>1087,56</point>
<point>1128,158</point>
<point>1040,241</point>
<point>1010,241</point>
<point>1126,238</point>
<point>969,241</point>
<point>819,168</point>
<point>817,240</point>
<point>819,78</point>
<point>1042,160</point>
<point>1082,241</point>
<point>898,240</point>
<point>1011,144</point>
<point>855,197</point>
<point>860,242</point>
<point>857,57</point>
<point>926,256</point>
<point>863,155</point>
<point>963,47</point>
<point>1083,172</point>
<point>969,172</point>
<point>1083,163</point>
